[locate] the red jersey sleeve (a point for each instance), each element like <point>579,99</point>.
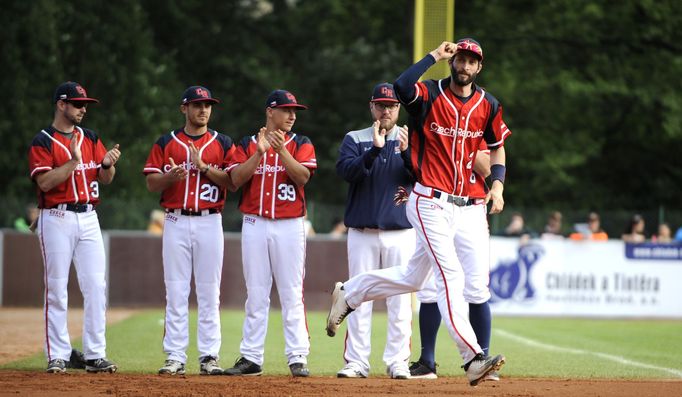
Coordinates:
<point>305,154</point>
<point>155,160</point>
<point>496,130</point>
<point>39,160</point>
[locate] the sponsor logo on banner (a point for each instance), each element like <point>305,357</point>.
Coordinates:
<point>511,279</point>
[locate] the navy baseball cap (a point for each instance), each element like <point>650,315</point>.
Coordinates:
<point>72,92</point>
<point>283,99</point>
<point>470,45</point>
<point>384,92</point>
<point>197,93</point>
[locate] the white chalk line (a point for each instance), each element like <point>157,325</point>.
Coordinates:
<point>610,357</point>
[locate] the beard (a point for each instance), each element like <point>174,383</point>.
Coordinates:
<point>462,82</point>
<point>74,119</point>
<point>386,125</point>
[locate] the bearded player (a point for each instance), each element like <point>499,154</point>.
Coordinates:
<point>67,164</point>
<point>448,120</point>
<point>187,167</point>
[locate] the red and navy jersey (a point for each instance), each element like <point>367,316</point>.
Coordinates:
<point>270,193</point>
<point>197,192</point>
<point>50,150</point>
<point>477,185</point>
<point>445,133</point>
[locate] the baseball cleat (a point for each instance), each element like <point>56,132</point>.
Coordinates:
<point>339,309</point>
<point>56,366</point>
<point>492,376</point>
<point>172,367</point>
<point>244,367</point>
<point>421,370</point>
<point>478,368</point>
<point>209,366</point>
<point>351,370</point>
<point>398,371</point>
<point>77,360</point>
<point>100,365</point>
<point>299,370</point>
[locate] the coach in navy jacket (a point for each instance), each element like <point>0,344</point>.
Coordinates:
<point>375,173</point>
<point>373,161</point>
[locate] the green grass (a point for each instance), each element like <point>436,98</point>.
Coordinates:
<point>575,348</point>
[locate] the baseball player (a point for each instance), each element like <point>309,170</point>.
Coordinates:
<point>67,164</point>
<point>448,119</point>
<point>273,166</point>
<point>187,167</point>
<point>476,292</point>
<point>372,161</point>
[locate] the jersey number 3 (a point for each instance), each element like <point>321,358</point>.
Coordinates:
<point>286,192</point>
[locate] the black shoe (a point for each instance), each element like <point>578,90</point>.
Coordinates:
<point>299,370</point>
<point>100,365</point>
<point>56,366</point>
<point>77,360</point>
<point>244,367</point>
<point>421,370</point>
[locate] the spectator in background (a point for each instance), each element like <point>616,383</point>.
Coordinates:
<point>155,226</point>
<point>678,235</point>
<point>339,229</point>
<point>516,226</point>
<point>591,230</point>
<point>635,231</point>
<point>664,234</point>
<point>553,226</point>
<point>23,224</point>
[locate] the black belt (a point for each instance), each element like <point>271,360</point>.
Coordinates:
<point>456,200</point>
<point>75,207</point>
<point>193,213</point>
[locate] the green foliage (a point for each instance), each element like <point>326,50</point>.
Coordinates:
<point>591,89</point>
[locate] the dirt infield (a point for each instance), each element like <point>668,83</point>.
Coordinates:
<point>18,328</point>
<point>82,384</point>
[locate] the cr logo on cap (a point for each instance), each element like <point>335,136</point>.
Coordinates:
<point>81,90</point>
<point>387,91</point>
<point>291,97</point>
<point>202,93</point>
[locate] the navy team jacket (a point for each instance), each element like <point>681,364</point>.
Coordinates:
<point>374,176</point>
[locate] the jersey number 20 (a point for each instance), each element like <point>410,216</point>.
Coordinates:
<point>209,193</point>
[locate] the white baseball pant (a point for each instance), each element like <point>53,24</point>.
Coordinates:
<point>65,236</point>
<point>436,222</point>
<point>192,244</point>
<point>472,243</point>
<point>370,249</point>
<point>274,248</point>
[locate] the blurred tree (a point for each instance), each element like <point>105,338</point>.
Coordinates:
<point>592,91</point>
<point>591,88</point>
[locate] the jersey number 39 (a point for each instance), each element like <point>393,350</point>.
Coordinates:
<point>286,192</point>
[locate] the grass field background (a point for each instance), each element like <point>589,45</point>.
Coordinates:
<point>534,347</point>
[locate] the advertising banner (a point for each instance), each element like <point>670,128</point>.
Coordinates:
<point>585,278</point>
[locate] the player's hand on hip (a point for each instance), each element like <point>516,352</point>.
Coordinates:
<point>403,138</point>
<point>196,158</point>
<point>495,194</point>
<point>74,146</point>
<point>262,144</point>
<point>444,51</point>
<point>379,134</point>
<point>112,156</point>
<point>177,172</point>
